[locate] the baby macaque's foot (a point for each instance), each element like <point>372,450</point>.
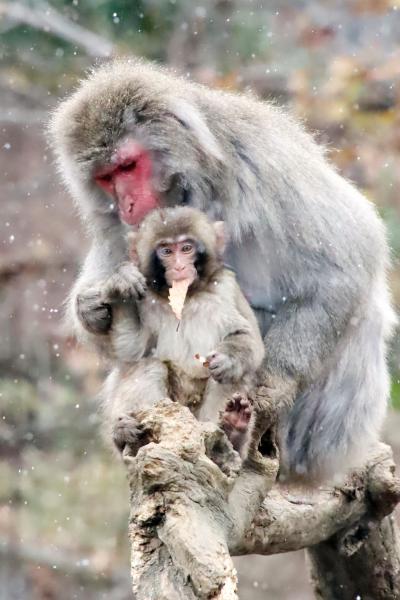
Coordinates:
<point>235,420</point>
<point>127,431</point>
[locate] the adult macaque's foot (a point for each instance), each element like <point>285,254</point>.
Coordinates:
<point>235,420</point>
<point>127,431</point>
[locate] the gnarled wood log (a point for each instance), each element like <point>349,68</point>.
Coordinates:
<point>185,512</point>
<point>193,506</point>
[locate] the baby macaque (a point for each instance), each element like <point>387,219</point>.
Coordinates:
<point>157,355</point>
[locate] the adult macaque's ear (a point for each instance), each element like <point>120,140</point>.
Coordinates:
<point>131,239</point>
<point>222,236</point>
<point>192,118</point>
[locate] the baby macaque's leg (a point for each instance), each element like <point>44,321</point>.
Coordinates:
<point>138,387</point>
<point>235,421</point>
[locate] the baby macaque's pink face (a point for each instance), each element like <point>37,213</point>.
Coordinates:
<point>178,259</point>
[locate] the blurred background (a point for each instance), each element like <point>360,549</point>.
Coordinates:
<point>335,64</point>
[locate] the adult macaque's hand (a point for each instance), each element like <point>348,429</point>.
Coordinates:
<point>127,283</point>
<point>94,314</point>
<point>281,390</point>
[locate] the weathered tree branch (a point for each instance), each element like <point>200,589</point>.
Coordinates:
<point>182,522</point>
<point>371,572</point>
<point>363,560</point>
<point>286,523</point>
<point>192,507</point>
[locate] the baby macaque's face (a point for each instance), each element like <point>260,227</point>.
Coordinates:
<point>178,258</point>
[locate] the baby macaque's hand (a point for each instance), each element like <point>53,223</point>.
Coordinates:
<point>127,431</point>
<point>235,421</point>
<point>222,367</point>
<point>127,283</point>
<point>94,314</point>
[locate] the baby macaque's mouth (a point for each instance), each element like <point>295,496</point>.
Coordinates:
<point>184,275</point>
<point>189,274</point>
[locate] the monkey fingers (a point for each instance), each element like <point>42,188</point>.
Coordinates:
<point>126,283</point>
<point>235,419</point>
<point>94,314</point>
<point>127,431</point>
<point>281,390</point>
<point>222,368</point>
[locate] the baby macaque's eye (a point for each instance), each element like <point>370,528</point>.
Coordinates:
<point>187,248</point>
<point>165,251</point>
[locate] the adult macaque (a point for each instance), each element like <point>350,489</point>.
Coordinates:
<point>309,251</point>
<point>154,358</point>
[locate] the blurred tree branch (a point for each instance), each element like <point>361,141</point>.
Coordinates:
<point>36,265</point>
<point>44,17</point>
<point>71,565</point>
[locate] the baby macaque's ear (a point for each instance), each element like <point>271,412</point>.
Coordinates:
<point>222,236</point>
<point>131,239</point>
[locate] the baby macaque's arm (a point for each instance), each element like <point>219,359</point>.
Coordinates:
<point>241,350</point>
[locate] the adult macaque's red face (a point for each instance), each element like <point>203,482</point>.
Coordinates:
<point>127,179</point>
<point>178,260</point>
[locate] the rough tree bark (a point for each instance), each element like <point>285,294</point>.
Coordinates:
<point>193,506</point>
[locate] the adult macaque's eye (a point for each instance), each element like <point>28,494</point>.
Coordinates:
<point>106,178</point>
<point>128,166</point>
<point>187,248</point>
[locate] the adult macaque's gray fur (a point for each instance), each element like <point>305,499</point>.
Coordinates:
<point>309,250</point>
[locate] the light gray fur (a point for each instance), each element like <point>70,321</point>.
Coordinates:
<point>216,320</point>
<point>309,250</point>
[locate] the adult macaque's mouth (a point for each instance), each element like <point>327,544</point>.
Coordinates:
<point>133,209</point>
<point>127,206</point>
